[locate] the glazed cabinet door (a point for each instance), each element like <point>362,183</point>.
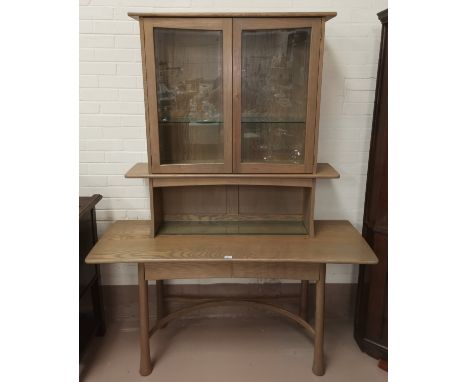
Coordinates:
<point>275,86</point>
<point>188,70</point>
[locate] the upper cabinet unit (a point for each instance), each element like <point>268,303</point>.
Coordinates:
<point>232,94</point>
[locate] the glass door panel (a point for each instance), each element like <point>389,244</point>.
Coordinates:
<point>275,65</point>
<point>275,87</point>
<point>189,82</point>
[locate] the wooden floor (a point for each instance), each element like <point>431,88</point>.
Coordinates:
<point>266,348</point>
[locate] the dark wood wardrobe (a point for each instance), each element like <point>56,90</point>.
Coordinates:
<point>370,325</point>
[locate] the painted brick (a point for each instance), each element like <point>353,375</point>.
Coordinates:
<point>125,157</point>
<point>114,27</point>
<point>89,81</point>
<point>135,145</point>
<point>101,144</point>
<point>133,95</point>
<point>124,203</point>
<point>118,82</point>
<point>86,54</point>
<point>96,41</point>
<point>138,215</point>
<point>107,168</point>
<point>360,84</point>
<point>89,107</point>
<point>99,120</point>
<point>122,107</point>
<point>92,94</point>
<point>127,41</point>
<point>90,133</point>
<point>110,214</point>
<point>86,26</point>
<point>120,180</point>
<point>113,55</point>
<point>97,68</point>
<point>92,156</point>
<point>156,3</point>
<point>358,108</point>
<point>133,120</point>
<point>124,132</point>
<point>131,69</point>
<point>93,180</point>
<point>96,13</point>
<point>366,96</point>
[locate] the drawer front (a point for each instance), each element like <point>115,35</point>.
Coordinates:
<point>186,270</point>
<point>228,269</point>
<point>264,270</point>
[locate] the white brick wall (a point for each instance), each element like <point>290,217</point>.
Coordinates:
<point>112,123</point>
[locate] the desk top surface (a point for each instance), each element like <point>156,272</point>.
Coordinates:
<point>129,241</point>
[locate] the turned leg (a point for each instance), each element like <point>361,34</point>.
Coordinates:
<point>145,359</point>
<point>304,299</point>
<point>319,366</point>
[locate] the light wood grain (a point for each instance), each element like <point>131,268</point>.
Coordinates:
<point>187,270</point>
<point>324,171</point>
<point>325,15</point>
<point>304,305</point>
<point>318,96</point>
<point>231,227</point>
<point>318,367</point>
<point>209,180</point>
<point>130,242</point>
<point>312,96</point>
<point>256,304</point>
<point>145,357</point>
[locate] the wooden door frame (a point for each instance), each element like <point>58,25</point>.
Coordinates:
<point>149,69</point>
<point>313,91</point>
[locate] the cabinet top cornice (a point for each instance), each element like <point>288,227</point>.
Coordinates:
<point>325,15</point>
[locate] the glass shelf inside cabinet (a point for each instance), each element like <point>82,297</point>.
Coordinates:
<point>275,64</point>
<point>189,82</point>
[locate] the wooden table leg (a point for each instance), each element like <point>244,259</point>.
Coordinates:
<point>319,366</point>
<point>159,299</point>
<point>145,358</point>
<point>304,299</point>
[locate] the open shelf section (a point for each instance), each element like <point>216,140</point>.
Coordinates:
<point>232,228</point>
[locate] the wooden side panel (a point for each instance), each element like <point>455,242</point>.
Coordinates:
<point>156,208</point>
<point>308,211</point>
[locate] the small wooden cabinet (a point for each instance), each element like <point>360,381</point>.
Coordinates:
<point>232,113</point>
<point>90,295</point>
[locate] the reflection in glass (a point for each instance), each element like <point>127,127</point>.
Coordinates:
<point>274,94</point>
<point>189,84</point>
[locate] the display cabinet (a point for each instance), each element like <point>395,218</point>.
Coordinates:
<point>232,105</point>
